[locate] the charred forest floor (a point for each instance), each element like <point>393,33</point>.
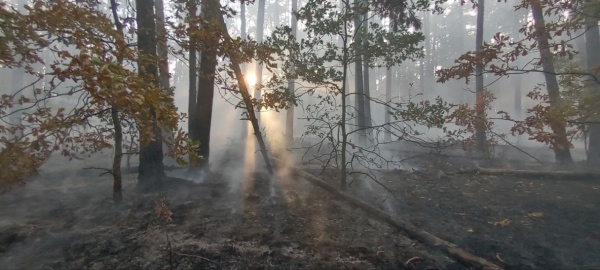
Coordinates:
<point>515,222</point>
<point>243,219</point>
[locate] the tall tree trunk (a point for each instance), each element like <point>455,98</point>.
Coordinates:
<point>151,169</point>
<point>244,36</point>
<point>163,65</point>
<point>367,80</point>
<point>561,144</point>
<point>162,49</point>
<point>235,65</point>
<point>260,25</point>
<point>114,112</point>
<point>592,40</point>
<point>206,82</point>
<point>464,36</point>
<point>15,119</point>
<point>359,97</point>
<point>388,98</point>
<point>193,70</point>
<point>479,124</point>
<point>518,96</point>
<point>424,66</point>
<point>289,121</point>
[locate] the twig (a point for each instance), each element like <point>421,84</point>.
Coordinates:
<point>516,147</point>
<point>170,250</point>
<point>498,257</point>
<point>411,260</point>
<point>106,171</point>
<point>196,256</point>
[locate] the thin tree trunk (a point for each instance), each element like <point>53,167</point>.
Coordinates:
<point>423,67</point>
<point>163,65</point>
<point>366,79</point>
<point>480,136</point>
<point>592,38</point>
<point>235,65</point>
<point>244,36</point>
<point>518,96</point>
<point>151,170</point>
<point>289,121</point>
<point>561,144</point>
<point>388,98</point>
<point>343,95</point>
<point>162,49</point>
<point>358,79</point>
<point>15,119</point>
<point>114,111</point>
<point>193,71</point>
<point>260,24</point>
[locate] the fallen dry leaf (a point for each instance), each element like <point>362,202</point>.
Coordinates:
<point>536,214</point>
<point>503,223</point>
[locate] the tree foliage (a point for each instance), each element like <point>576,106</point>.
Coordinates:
<point>76,79</point>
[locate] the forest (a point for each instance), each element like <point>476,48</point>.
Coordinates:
<point>300,134</point>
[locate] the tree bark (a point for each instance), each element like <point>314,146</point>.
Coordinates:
<point>359,97</point>
<point>162,49</point>
<point>193,71</point>
<point>366,71</point>
<point>423,64</point>
<point>388,98</point>
<point>206,81</point>
<point>15,119</point>
<point>479,124</point>
<point>244,36</point>
<point>289,121</point>
<point>592,40</point>
<point>118,128</point>
<point>561,144</point>
<point>260,24</point>
<point>151,172</point>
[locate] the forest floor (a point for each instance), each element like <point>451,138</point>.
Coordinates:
<point>240,219</point>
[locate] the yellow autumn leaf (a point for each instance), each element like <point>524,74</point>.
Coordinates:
<point>536,214</point>
<point>503,223</point>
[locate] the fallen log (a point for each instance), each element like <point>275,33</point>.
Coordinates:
<point>450,249</point>
<point>535,174</point>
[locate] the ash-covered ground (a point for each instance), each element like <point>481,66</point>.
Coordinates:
<point>238,217</point>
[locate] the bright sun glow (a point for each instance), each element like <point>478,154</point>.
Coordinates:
<point>250,79</point>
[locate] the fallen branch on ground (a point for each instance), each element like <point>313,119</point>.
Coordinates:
<point>534,174</point>
<point>451,249</point>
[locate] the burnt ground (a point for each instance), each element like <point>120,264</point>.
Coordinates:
<point>515,222</point>
<point>238,220</point>
<point>67,221</point>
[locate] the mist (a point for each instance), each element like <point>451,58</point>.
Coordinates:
<point>397,141</point>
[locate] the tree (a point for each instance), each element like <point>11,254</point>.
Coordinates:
<point>206,79</point>
<point>151,170</point>
<point>89,68</point>
<point>479,104</point>
<point>561,144</point>
<point>260,32</point>
<point>499,58</point>
<point>359,79</point>
<point>592,43</point>
<point>336,34</point>
<point>244,36</point>
<point>289,122</point>
<point>191,19</point>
